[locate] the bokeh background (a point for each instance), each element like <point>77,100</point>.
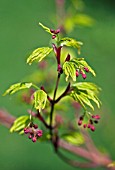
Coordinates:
<point>19,35</point>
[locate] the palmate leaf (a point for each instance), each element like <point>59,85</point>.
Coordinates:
<point>70,67</point>
<point>74,138</point>
<point>40,98</point>
<point>16,87</point>
<point>45,28</point>
<point>69,70</point>
<point>39,54</point>
<point>19,124</point>
<point>85,93</point>
<point>71,42</point>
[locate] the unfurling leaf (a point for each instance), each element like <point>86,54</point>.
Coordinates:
<point>45,28</point>
<point>84,93</point>
<point>39,54</point>
<point>71,42</point>
<point>69,70</point>
<point>16,87</point>
<point>40,98</point>
<point>74,138</point>
<point>19,124</point>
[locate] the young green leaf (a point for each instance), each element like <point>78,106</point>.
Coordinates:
<point>16,87</point>
<point>40,98</point>
<point>19,124</point>
<point>71,42</point>
<point>74,138</point>
<point>69,70</point>
<point>39,54</point>
<point>45,28</point>
<point>84,93</point>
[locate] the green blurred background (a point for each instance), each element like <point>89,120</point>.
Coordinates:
<point>19,35</point>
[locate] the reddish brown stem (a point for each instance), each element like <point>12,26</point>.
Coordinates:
<point>63,94</point>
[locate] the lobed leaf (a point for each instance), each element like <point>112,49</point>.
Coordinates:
<point>19,124</point>
<point>40,98</point>
<point>16,87</point>
<point>85,93</point>
<point>39,54</point>
<point>69,70</point>
<point>71,42</point>
<point>45,28</point>
<point>74,138</point>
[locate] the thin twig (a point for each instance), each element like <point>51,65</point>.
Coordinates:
<point>76,163</point>
<point>53,103</point>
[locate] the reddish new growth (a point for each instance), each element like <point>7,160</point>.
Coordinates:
<point>79,71</point>
<point>33,132</point>
<point>54,32</point>
<point>90,123</point>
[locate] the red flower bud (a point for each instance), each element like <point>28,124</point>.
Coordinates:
<point>89,126</point>
<point>84,76</point>
<point>80,122</point>
<point>53,36</point>
<point>39,133</point>
<point>86,69</point>
<point>77,73</point>
<point>92,128</point>
<point>57,31</point>
<point>35,126</point>
<point>34,139</point>
<point>97,117</point>
<point>52,31</point>
<point>30,136</point>
<point>85,125</point>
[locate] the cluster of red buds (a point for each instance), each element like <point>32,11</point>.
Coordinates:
<point>33,132</point>
<point>54,32</point>
<point>93,120</point>
<point>78,72</point>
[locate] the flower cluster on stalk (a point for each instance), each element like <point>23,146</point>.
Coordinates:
<point>33,132</point>
<point>78,72</point>
<point>94,119</point>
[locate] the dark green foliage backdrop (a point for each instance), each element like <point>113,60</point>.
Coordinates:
<point>19,35</point>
